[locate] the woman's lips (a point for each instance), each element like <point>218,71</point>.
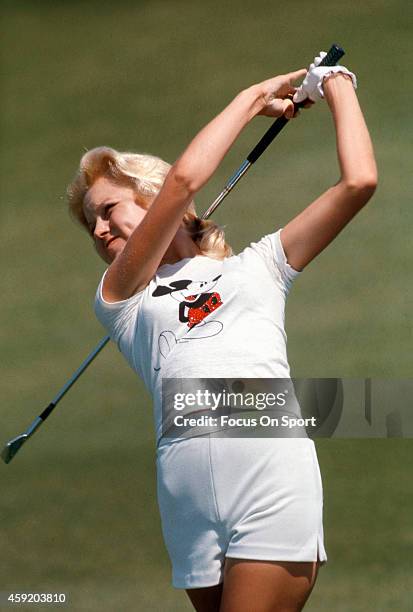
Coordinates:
<point>110,241</point>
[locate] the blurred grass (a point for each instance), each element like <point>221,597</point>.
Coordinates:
<point>79,504</point>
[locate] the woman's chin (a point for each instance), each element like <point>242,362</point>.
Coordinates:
<point>110,253</point>
<point>115,249</point>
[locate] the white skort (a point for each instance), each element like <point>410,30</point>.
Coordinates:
<point>238,497</point>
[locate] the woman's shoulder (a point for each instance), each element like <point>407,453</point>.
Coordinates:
<point>269,250</point>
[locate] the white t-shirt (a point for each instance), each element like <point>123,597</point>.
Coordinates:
<point>203,317</point>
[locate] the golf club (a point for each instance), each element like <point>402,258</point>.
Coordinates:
<point>335,53</point>
<point>14,445</point>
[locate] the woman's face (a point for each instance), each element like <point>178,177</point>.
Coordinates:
<point>112,214</point>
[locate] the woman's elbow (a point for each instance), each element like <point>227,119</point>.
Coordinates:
<point>362,187</point>
<point>184,180</point>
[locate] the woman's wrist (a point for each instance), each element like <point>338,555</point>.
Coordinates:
<point>336,85</point>
<point>256,98</point>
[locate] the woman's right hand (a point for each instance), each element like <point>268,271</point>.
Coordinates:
<point>276,94</point>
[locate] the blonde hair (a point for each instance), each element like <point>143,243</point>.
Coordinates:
<point>145,174</point>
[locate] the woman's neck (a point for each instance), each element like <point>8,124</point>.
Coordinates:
<point>181,247</point>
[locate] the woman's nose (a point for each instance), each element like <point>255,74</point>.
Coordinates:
<point>101,228</point>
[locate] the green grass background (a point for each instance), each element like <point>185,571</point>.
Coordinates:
<point>78,505</point>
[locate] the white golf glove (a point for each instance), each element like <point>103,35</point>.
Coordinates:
<point>312,86</point>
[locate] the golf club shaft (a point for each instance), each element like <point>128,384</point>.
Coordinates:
<point>14,445</point>
<point>43,416</point>
<point>232,181</point>
<point>74,377</point>
<point>332,57</point>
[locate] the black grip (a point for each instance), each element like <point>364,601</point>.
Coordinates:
<point>267,139</point>
<point>334,54</point>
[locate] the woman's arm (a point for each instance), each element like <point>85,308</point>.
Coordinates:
<point>143,252</point>
<point>312,230</point>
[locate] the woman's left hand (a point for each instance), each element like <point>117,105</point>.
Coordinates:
<point>276,94</point>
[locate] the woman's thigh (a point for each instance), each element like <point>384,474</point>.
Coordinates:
<point>207,599</point>
<point>267,586</point>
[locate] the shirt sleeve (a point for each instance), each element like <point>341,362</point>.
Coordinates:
<point>271,250</point>
<point>117,317</point>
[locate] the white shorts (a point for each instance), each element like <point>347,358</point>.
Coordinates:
<point>238,497</point>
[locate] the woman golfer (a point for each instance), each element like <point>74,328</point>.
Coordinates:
<point>241,518</point>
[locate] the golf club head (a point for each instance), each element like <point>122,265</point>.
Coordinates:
<point>13,447</point>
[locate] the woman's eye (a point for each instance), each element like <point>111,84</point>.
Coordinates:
<point>108,209</point>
